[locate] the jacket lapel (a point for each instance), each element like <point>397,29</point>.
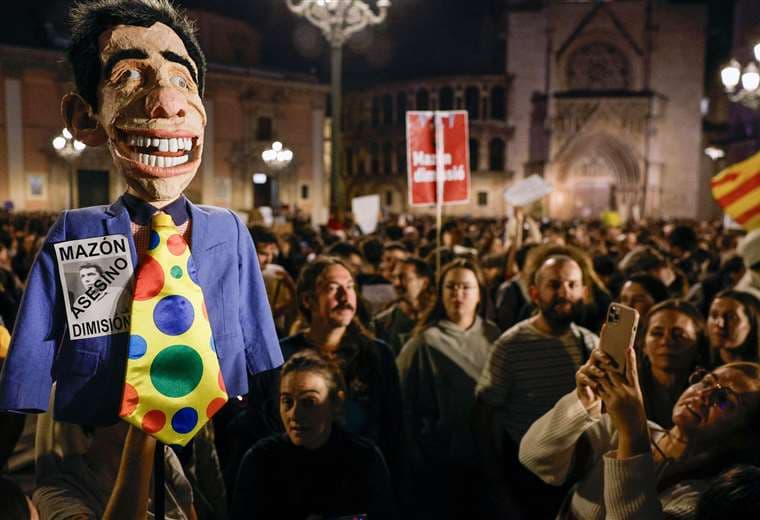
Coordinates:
<point>118,223</point>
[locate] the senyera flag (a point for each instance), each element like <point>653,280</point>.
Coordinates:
<point>737,190</point>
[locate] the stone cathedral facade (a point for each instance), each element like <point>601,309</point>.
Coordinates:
<point>605,102</point>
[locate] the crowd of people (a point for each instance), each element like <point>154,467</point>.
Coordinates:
<point>459,374</point>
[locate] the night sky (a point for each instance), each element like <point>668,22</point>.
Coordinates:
<point>420,38</point>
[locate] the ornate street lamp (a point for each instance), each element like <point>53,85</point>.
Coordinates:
<point>276,158</point>
<point>69,149</point>
<point>732,75</point>
<point>338,20</point>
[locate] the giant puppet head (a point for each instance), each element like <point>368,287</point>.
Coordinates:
<point>139,75</point>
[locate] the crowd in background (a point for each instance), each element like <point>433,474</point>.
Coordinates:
<point>462,379</point>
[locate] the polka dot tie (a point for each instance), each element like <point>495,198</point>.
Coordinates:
<point>173,382</point>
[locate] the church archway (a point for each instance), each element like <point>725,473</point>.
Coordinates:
<point>597,173</point>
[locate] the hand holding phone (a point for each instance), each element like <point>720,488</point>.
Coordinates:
<point>619,333</point>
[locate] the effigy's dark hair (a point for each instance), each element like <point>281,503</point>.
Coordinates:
<point>90,19</point>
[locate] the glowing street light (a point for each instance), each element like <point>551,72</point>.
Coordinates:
<point>69,149</point>
<point>338,20</point>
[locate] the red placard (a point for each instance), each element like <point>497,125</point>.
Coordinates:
<point>421,156</point>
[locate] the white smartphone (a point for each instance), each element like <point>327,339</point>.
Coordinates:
<point>619,332</point>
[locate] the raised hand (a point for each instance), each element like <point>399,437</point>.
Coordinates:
<point>622,399</point>
<point>587,380</point>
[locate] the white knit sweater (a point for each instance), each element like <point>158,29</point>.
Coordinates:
<point>611,488</point>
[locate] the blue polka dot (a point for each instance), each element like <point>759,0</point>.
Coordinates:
<point>213,344</point>
<point>137,347</point>
<point>154,240</point>
<point>184,420</point>
<point>191,270</point>
<point>173,315</point>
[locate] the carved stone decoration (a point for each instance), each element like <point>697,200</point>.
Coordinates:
<point>598,66</point>
<point>621,115</point>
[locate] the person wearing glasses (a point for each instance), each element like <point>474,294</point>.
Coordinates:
<point>439,368</point>
<point>628,468</point>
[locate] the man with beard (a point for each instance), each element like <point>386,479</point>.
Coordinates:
<point>531,366</point>
<point>326,294</point>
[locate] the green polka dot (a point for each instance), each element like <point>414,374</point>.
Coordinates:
<point>176,371</point>
<point>176,271</point>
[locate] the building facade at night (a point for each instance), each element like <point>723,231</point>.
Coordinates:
<point>605,103</point>
<point>248,108</point>
<point>375,139</point>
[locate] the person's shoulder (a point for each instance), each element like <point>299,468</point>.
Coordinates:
<point>587,334</point>
<point>490,330</point>
<point>359,447</point>
<point>519,332</point>
<point>386,316</point>
<point>268,448</point>
<point>292,344</point>
<point>383,350</point>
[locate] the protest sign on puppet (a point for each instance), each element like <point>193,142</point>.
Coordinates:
<point>422,157</point>
<point>96,275</point>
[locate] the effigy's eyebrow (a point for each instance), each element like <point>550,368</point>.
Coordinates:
<point>124,54</point>
<point>176,58</point>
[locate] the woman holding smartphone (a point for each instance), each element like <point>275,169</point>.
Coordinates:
<point>630,468</point>
<point>316,470</point>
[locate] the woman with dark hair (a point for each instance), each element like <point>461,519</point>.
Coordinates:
<point>439,369</point>
<point>316,469</point>
<point>674,344</point>
<point>642,291</point>
<point>732,327</point>
<point>628,468</point>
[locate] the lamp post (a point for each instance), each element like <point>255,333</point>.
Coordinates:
<point>276,158</point>
<point>338,20</point>
<point>69,149</point>
<point>732,75</point>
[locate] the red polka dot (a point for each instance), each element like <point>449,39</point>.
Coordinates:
<point>129,400</point>
<point>205,312</point>
<point>153,421</point>
<point>150,279</point>
<point>221,382</point>
<point>214,406</point>
<point>176,245</point>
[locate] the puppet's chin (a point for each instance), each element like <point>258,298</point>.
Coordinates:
<point>157,189</point>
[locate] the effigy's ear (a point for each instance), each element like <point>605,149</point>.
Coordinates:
<point>81,122</point>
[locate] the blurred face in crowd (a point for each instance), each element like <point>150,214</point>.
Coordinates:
<point>558,292</point>
<point>634,295</point>
<point>717,403</point>
<point>670,342</point>
<point>389,260</point>
<point>306,408</point>
<point>727,324</point>
<point>461,295</point>
<point>150,113</point>
<point>266,253</point>
<point>334,302</point>
<point>409,285</point>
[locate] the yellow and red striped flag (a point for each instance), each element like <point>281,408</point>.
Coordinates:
<point>737,190</point>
